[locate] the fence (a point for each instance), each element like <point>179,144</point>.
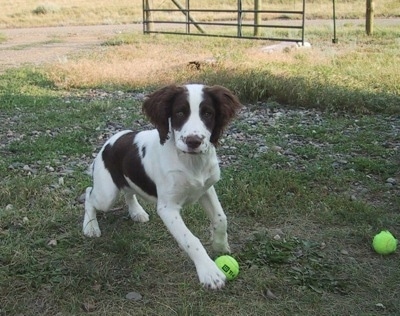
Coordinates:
<point>165,20</point>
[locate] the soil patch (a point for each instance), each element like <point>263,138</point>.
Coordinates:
<point>50,44</point>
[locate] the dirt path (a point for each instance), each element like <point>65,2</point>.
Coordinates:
<point>50,44</point>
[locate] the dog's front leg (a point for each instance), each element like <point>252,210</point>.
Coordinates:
<point>209,274</point>
<point>209,201</point>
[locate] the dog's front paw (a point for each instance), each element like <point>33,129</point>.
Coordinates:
<point>211,277</point>
<point>91,229</point>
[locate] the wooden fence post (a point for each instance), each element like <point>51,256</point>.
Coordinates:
<point>257,17</point>
<point>369,19</point>
<point>149,26</point>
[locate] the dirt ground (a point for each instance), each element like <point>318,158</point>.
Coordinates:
<point>51,44</point>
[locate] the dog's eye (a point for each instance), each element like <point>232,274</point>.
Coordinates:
<point>207,114</point>
<point>180,114</point>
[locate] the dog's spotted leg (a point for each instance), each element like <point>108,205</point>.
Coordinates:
<point>209,274</point>
<point>213,208</point>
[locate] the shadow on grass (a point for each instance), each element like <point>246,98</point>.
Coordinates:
<point>301,91</point>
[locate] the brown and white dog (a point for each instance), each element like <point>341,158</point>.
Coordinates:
<point>172,165</point>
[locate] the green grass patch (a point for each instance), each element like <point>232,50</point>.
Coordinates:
<point>324,182</point>
<point>3,38</point>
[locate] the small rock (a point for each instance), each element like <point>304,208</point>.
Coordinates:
<point>134,296</point>
<point>61,181</point>
<point>268,294</point>
<point>50,168</point>
<point>344,252</point>
<point>276,148</point>
<point>277,237</point>
<point>262,149</point>
<point>25,220</point>
<point>9,207</point>
<point>66,191</point>
<point>288,152</point>
<point>26,168</point>
<point>380,305</point>
<point>335,165</point>
<point>52,243</point>
<point>392,181</point>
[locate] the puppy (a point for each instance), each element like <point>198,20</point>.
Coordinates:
<point>173,165</point>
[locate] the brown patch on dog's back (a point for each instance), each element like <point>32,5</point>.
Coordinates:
<point>122,159</point>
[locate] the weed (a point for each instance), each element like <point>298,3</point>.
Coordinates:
<point>46,9</point>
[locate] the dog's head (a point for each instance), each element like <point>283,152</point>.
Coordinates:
<point>193,116</point>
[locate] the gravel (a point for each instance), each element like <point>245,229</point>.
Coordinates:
<point>248,129</point>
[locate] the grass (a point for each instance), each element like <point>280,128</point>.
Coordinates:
<point>3,38</point>
<point>327,198</point>
<point>305,191</point>
<point>36,44</point>
<point>29,13</point>
<point>328,76</point>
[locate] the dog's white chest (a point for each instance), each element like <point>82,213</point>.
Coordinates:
<point>189,188</point>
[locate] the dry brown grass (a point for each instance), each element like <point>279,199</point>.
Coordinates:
<point>21,13</point>
<point>164,59</point>
<point>126,65</point>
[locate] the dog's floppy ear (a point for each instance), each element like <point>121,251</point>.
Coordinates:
<point>226,105</point>
<point>157,107</point>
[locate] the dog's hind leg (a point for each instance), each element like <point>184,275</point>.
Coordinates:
<point>90,224</point>
<point>99,198</point>
<point>136,211</point>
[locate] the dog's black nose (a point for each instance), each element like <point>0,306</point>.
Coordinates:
<point>193,142</point>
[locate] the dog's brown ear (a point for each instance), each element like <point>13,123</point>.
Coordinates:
<point>227,106</point>
<point>157,107</point>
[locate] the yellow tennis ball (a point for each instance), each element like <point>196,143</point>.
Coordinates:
<point>228,265</point>
<point>384,243</point>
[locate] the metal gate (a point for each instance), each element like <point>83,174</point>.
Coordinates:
<point>170,21</point>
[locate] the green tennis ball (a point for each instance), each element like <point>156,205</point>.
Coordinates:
<point>384,243</point>
<point>228,265</point>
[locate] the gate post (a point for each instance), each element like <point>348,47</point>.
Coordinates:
<point>369,21</point>
<point>239,18</point>
<point>257,16</point>
<point>147,18</point>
